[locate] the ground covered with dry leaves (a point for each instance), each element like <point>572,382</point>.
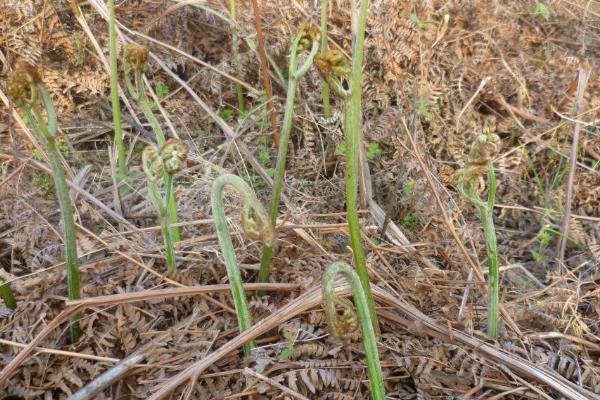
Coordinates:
<point>446,68</point>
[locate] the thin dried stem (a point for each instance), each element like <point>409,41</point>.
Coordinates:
<point>264,67</point>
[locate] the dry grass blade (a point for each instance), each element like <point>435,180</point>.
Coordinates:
<point>284,389</point>
<point>305,302</point>
<point>516,364</point>
<point>264,66</point>
<point>313,297</point>
<point>76,306</point>
<point>562,242</point>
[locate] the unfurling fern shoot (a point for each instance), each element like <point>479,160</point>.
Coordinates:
<point>345,323</point>
<point>166,162</point>
<point>479,162</point>
<point>256,225</point>
<point>332,67</point>
<point>136,64</point>
<point>29,93</point>
<point>306,39</point>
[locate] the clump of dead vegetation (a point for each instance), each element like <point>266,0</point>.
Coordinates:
<point>436,75</point>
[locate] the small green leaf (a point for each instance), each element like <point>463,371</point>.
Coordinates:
<point>409,187</point>
<point>373,151</point>
<point>540,12</point>
<point>340,149</point>
<point>420,24</point>
<point>410,221</point>
<point>162,91</point>
<point>286,353</point>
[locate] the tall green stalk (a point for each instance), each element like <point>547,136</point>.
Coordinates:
<point>332,67</point>
<point>324,49</point>
<point>27,91</point>
<point>167,161</point>
<point>136,62</point>
<point>7,295</point>
<point>256,226</point>
<point>235,50</point>
<point>308,37</point>
<point>341,326</point>
<point>478,163</point>
<point>114,89</point>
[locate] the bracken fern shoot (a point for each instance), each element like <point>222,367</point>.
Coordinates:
<point>344,323</point>
<point>256,225</point>
<point>27,90</point>
<point>479,162</point>
<point>332,68</point>
<point>306,39</point>
<point>167,162</point>
<point>136,64</point>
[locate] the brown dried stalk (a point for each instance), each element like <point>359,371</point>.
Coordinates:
<point>76,306</point>
<point>264,66</point>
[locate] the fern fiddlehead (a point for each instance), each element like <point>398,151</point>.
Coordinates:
<point>136,64</point>
<point>28,92</point>
<point>256,225</point>
<point>345,323</point>
<point>478,163</point>
<point>167,162</point>
<point>307,39</point>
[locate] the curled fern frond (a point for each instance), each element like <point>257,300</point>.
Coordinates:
<point>341,323</point>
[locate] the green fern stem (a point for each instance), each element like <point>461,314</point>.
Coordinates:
<point>114,89</point>
<point>235,50</point>
<point>467,185</point>
<point>138,92</point>
<point>46,134</point>
<point>352,135</point>
<point>367,325</point>
<point>256,225</point>
<point>295,73</point>
<point>7,295</point>
<point>324,47</point>
<point>489,231</point>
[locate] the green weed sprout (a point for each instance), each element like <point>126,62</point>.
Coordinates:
<point>136,63</point>
<point>235,50</point>
<point>324,49</point>
<point>344,323</point>
<point>256,225</point>
<point>114,89</point>
<point>28,92</point>
<point>333,69</point>
<point>479,161</point>
<point>166,162</point>
<point>7,295</point>
<point>307,38</point>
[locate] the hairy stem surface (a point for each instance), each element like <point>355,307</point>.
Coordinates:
<point>352,133</point>
<point>35,120</point>
<point>324,48</point>
<point>235,50</point>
